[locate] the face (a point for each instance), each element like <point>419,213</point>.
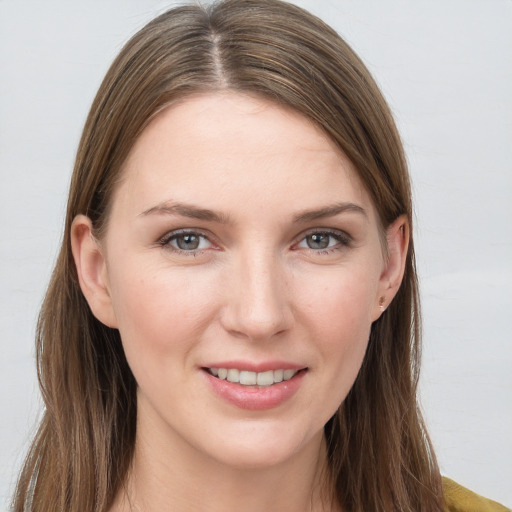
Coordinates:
<point>243,267</point>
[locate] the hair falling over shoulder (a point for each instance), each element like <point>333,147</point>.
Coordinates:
<point>380,455</point>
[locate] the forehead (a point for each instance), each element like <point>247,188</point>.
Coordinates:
<point>228,147</point>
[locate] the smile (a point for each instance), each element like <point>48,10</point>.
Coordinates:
<point>272,386</point>
<point>248,378</point>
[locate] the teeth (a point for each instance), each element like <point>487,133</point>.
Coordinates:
<point>246,378</point>
<point>233,375</point>
<point>265,378</point>
<point>288,374</point>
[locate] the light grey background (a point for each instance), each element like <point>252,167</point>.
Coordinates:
<point>445,67</point>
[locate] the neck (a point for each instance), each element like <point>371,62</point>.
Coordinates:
<point>167,476</point>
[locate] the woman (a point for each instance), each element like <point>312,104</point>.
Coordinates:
<point>234,311</point>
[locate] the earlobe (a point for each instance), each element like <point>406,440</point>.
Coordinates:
<point>394,266</point>
<point>92,270</point>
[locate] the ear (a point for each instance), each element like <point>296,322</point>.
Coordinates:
<point>394,266</point>
<point>92,270</point>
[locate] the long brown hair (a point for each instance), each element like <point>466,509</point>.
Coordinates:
<point>379,451</point>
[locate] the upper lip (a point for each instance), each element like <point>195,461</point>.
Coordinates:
<point>253,366</point>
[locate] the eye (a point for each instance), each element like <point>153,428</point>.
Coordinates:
<point>186,241</point>
<point>319,241</point>
<point>324,240</point>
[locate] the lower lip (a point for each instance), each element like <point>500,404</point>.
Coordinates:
<point>253,398</point>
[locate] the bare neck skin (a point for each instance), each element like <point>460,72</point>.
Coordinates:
<point>174,476</point>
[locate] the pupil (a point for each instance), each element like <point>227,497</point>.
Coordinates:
<point>318,241</point>
<point>188,242</point>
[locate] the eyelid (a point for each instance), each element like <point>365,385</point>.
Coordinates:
<point>164,240</point>
<point>344,239</point>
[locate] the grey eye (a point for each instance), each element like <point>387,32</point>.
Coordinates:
<point>321,240</point>
<point>318,240</point>
<point>187,242</point>
<point>191,242</point>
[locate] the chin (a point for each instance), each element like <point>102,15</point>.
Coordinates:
<point>261,447</point>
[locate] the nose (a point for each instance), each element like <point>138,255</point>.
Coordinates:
<point>257,305</point>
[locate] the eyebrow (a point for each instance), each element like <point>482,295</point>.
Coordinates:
<point>194,212</point>
<point>186,210</point>
<point>329,211</point>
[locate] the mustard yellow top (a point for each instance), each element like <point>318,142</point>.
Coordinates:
<point>460,499</point>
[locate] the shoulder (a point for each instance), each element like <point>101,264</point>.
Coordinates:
<point>460,499</point>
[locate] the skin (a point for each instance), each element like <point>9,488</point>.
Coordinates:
<point>256,288</point>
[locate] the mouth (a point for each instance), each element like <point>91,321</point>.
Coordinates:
<point>254,379</point>
<point>257,387</point>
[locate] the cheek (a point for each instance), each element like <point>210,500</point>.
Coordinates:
<point>160,312</point>
<point>338,314</point>
<point>340,302</point>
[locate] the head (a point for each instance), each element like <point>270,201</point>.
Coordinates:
<point>273,54</point>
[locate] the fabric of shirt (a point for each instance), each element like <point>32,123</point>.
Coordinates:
<point>460,499</point>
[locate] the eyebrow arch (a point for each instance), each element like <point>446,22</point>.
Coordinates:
<point>329,211</point>
<point>186,210</point>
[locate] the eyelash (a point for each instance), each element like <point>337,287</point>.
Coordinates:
<point>342,238</point>
<point>166,240</point>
